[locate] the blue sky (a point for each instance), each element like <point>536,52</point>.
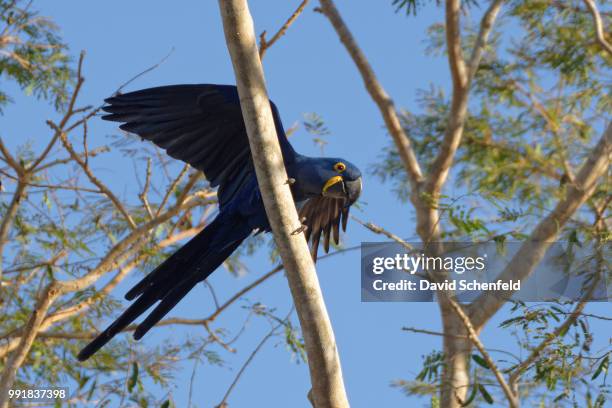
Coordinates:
<point>307,71</point>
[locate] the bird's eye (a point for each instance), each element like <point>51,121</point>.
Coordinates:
<point>339,167</point>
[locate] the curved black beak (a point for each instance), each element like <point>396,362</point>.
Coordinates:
<point>337,187</point>
<point>353,190</point>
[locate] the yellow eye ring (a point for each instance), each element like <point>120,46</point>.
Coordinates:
<point>339,167</point>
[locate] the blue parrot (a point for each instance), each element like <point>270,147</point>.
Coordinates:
<point>203,125</point>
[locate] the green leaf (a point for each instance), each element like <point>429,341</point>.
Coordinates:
<point>410,6</point>
<point>573,238</point>
<point>510,321</point>
<point>480,361</point>
<point>485,394</point>
<point>603,367</point>
<point>91,390</point>
<point>472,395</point>
<point>166,404</point>
<point>134,377</point>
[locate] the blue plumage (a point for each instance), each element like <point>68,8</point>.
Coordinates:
<point>202,125</point>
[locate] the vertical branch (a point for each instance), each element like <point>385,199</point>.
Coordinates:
<point>600,33</point>
<point>456,62</point>
<point>461,77</point>
<point>486,25</point>
<point>9,216</point>
<point>22,183</point>
<point>323,359</point>
<point>377,92</point>
<point>426,189</point>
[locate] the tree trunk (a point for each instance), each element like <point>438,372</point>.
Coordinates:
<point>456,347</point>
<point>323,360</point>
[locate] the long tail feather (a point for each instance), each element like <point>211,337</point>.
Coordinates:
<point>170,300</point>
<point>136,309</point>
<point>174,278</point>
<point>176,261</point>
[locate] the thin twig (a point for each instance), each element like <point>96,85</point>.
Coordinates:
<point>263,341</point>
<point>69,112</point>
<point>380,230</point>
<point>264,44</point>
<point>433,333</point>
<point>175,183</point>
<point>145,190</point>
<point>146,71</point>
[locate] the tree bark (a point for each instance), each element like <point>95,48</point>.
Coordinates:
<point>323,359</point>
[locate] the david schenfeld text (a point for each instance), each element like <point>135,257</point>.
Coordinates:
<point>461,285</point>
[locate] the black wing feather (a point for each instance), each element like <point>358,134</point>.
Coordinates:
<point>199,124</point>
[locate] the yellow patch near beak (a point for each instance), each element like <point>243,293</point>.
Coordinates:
<point>331,182</point>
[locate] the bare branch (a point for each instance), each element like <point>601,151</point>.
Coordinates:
<point>10,160</point>
<point>16,359</point>
<point>486,25</point>
<point>265,44</point>
<point>242,292</point>
<point>127,244</point>
<point>52,186</point>
<point>94,180</point>
<point>263,341</point>
<point>9,216</point>
<point>91,153</point>
<point>145,190</point>
<point>433,333</point>
<point>69,112</point>
<point>146,71</point>
<point>600,33</point>
<point>461,76</point>
<point>379,230</point>
<point>459,73</point>
<point>176,181</point>
<point>377,92</point>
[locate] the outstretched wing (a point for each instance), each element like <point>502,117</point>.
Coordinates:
<point>199,124</point>
<point>323,216</point>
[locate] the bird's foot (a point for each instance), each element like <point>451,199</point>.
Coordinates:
<point>300,229</point>
<point>290,181</point>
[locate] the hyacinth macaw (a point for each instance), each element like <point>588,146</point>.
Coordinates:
<point>203,125</point>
